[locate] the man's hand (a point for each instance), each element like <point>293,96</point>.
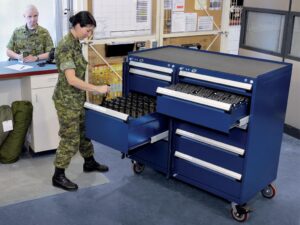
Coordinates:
<point>30,58</point>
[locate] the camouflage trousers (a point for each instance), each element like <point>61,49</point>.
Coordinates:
<point>72,134</point>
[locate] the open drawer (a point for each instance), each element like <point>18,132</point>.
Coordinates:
<point>122,132</point>
<point>201,110</point>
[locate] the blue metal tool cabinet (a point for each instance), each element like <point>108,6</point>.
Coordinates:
<point>229,150</point>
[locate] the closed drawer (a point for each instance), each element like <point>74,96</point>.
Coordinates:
<point>209,153</point>
<point>121,132</point>
<point>144,84</point>
<point>198,110</point>
<point>205,177</point>
<point>41,81</point>
<point>145,77</point>
<point>235,141</point>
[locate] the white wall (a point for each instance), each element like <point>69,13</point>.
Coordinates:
<point>268,4</point>
<point>259,55</point>
<point>293,110</point>
<point>296,5</point>
<point>11,14</point>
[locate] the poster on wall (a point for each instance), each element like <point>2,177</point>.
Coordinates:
<point>178,22</point>
<point>205,23</point>
<point>124,18</point>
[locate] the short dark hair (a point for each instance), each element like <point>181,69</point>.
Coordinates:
<point>84,18</point>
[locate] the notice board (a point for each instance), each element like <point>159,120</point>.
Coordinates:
<point>123,18</point>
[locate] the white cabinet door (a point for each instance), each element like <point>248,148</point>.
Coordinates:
<point>44,120</point>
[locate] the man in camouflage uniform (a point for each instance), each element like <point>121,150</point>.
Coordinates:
<point>69,97</point>
<point>30,42</point>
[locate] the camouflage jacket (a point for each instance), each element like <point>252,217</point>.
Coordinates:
<point>68,55</point>
<point>32,42</point>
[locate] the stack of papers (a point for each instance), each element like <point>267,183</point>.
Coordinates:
<point>19,67</point>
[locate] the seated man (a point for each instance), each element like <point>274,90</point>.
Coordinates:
<point>31,42</point>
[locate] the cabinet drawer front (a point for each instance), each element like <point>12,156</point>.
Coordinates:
<point>206,116</point>
<point>206,178</point>
<point>41,81</point>
<point>237,138</point>
<point>146,85</point>
<point>209,154</point>
<point>124,135</point>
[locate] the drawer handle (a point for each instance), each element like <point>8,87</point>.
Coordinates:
<point>150,74</point>
<point>159,137</point>
<point>151,67</point>
<point>196,99</point>
<point>243,123</point>
<point>152,140</point>
<point>211,142</point>
<point>208,165</point>
<point>216,80</point>
<point>98,108</point>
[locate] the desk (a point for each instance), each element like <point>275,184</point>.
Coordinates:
<point>35,85</point>
<point>6,73</point>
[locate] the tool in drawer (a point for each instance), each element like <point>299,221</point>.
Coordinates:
<point>230,100</point>
<point>135,105</point>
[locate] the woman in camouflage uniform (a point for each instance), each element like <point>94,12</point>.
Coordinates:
<point>69,97</point>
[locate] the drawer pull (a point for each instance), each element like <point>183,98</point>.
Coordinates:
<point>159,137</point>
<point>151,67</point>
<point>208,165</point>
<point>110,112</point>
<point>192,98</point>
<point>216,80</point>
<point>150,74</point>
<point>243,123</point>
<point>211,142</point>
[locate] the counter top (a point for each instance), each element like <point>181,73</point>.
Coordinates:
<point>7,73</point>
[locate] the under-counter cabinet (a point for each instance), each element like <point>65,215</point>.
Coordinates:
<point>224,115</point>
<point>43,133</point>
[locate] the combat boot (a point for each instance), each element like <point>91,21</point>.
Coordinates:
<point>90,165</point>
<point>60,180</point>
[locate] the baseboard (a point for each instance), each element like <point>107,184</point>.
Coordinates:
<point>292,131</point>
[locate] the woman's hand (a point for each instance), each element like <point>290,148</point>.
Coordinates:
<point>103,89</point>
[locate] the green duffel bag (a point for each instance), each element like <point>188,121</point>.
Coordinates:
<point>6,118</point>
<point>11,148</point>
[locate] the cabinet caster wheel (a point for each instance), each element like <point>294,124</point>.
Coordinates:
<point>138,168</point>
<point>269,191</point>
<point>240,213</point>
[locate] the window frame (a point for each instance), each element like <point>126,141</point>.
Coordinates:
<point>245,12</point>
<point>290,36</point>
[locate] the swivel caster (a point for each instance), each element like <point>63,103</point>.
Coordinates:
<point>138,168</point>
<point>239,213</point>
<point>269,191</point>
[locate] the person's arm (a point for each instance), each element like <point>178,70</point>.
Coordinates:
<point>82,85</point>
<point>11,54</point>
<point>36,58</point>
